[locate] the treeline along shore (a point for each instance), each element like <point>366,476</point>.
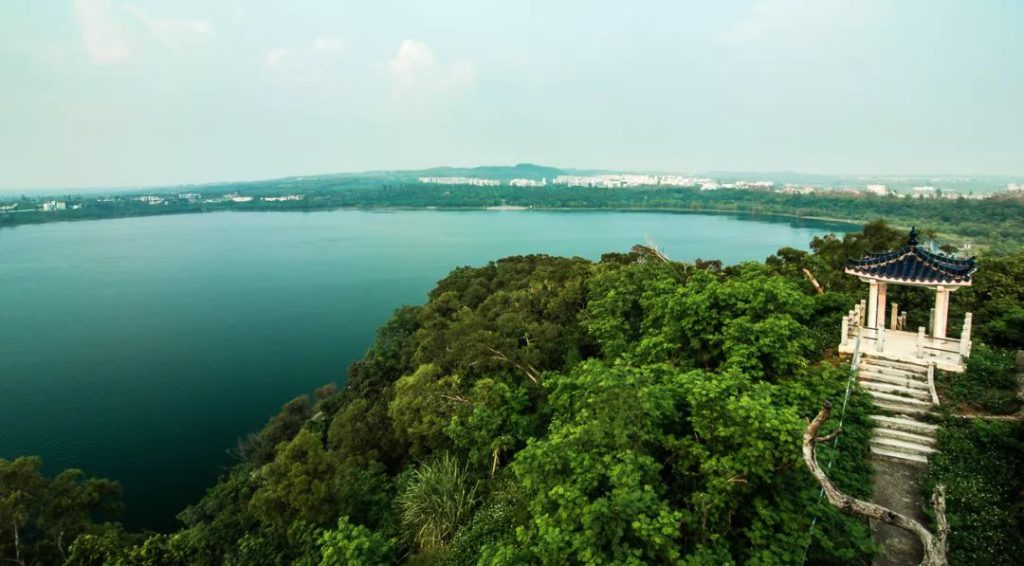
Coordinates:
<point>993,223</point>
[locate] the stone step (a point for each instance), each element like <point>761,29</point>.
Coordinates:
<point>882,362</point>
<point>890,367</point>
<point>897,445</point>
<point>906,392</point>
<point>905,436</point>
<point>899,455</point>
<point>904,409</point>
<point>899,399</point>
<point>893,372</point>
<point>905,424</point>
<point>914,383</point>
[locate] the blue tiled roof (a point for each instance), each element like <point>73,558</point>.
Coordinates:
<point>914,265</point>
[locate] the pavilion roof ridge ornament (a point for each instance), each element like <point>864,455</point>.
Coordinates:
<point>914,265</point>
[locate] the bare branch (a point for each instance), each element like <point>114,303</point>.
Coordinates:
<point>530,371</point>
<point>829,436</point>
<point>60,546</point>
<point>17,545</point>
<point>935,548</point>
<point>457,399</point>
<point>817,286</point>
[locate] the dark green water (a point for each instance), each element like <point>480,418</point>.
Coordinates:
<point>140,349</point>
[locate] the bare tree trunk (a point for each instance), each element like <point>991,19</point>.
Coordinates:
<point>935,546</point>
<point>60,546</point>
<point>817,286</point>
<point>17,546</point>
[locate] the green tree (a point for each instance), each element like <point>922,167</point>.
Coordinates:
<point>595,493</point>
<point>492,422</point>
<point>355,545</point>
<point>422,407</point>
<point>308,483</point>
<point>41,517</point>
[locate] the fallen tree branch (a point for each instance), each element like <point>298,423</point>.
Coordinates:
<point>530,371</point>
<point>935,546</point>
<point>650,249</point>
<point>457,399</point>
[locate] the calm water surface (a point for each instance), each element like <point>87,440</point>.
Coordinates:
<point>140,349</point>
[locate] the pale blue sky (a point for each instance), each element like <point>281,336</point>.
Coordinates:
<point>133,92</point>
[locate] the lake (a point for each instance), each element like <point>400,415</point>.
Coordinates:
<point>140,349</point>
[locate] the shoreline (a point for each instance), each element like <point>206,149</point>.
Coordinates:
<point>674,210</point>
<point>492,208</point>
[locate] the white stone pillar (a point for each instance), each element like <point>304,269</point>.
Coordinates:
<point>965,336</point>
<point>845,330</point>
<point>873,304</point>
<point>894,318</point>
<point>941,311</point>
<point>880,317</point>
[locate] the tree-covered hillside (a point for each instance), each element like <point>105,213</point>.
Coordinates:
<point>545,410</point>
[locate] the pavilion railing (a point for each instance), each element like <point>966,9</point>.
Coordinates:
<point>853,324</point>
<point>931,385</point>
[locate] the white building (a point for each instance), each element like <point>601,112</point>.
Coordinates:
<point>926,191</point>
<point>1015,187</point>
<point>796,190</point>
<point>575,180</point>
<point>880,190</point>
<point>190,197</point>
<point>527,183</point>
<point>53,205</point>
<point>283,199</point>
<point>237,198</point>
<point>615,181</point>
<point>150,199</point>
<point>460,181</point>
<point>755,185</point>
<point>680,181</point>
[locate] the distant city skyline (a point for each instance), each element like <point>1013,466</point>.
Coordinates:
<point>134,93</point>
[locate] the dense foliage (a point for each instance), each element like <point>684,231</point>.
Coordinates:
<point>982,466</point>
<point>562,411</point>
<point>991,383</point>
<point>40,517</point>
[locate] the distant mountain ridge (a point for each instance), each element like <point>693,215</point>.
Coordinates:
<point>501,172</point>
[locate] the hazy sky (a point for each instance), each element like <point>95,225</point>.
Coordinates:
<point>131,92</point>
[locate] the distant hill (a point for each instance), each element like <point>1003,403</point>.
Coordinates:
<point>501,172</point>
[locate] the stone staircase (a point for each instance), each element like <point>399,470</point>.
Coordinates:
<point>901,391</point>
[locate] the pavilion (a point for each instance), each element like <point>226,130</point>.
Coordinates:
<point>913,266</point>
